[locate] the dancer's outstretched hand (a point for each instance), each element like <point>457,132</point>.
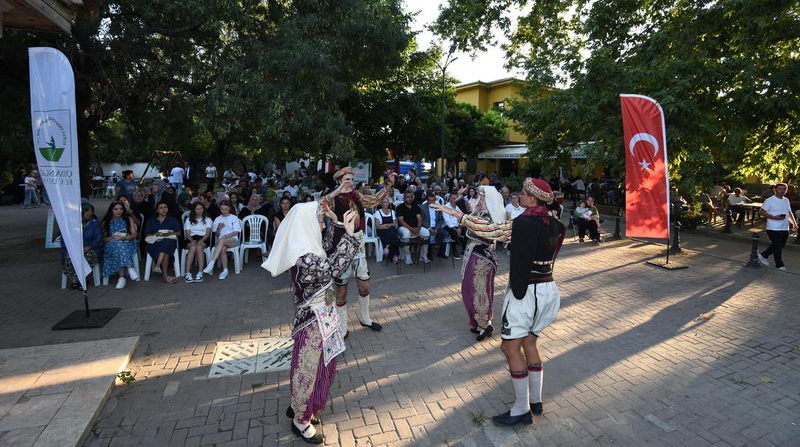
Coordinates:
<point>350,222</point>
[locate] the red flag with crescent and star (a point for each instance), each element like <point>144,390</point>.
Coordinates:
<point>646,169</point>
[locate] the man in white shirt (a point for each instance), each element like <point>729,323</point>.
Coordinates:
<point>451,225</point>
<point>514,209</point>
<point>778,212</point>
<point>176,179</point>
<point>211,176</point>
<point>735,202</point>
<point>580,187</point>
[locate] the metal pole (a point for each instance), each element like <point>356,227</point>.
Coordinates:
<point>753,261</point>
<point>676,239</point>
<point>444,68</point>
<point>617,229</point>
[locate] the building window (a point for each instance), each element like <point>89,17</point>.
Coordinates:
<point>499,107</point>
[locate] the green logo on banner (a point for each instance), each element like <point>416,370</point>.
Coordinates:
<point>51,152</point>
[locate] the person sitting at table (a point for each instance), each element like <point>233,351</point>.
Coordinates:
<point>707,207</point>
<point>735,202</point>
<point>409,218</point>
<point>161,235</point>
<point>92,243</point>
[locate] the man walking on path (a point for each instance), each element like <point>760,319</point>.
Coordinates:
<point>778,212</point>
<point>533,299</point>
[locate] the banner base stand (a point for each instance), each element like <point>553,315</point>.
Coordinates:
<point>78,320</point>
<point>668,265</point>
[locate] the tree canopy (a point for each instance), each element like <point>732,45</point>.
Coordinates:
<point>726,73</point>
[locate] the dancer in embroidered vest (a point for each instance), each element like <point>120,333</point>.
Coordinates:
<point>345,198</point>
<point>533,299</point>
<point>299,248</point>
<point>480,264</point>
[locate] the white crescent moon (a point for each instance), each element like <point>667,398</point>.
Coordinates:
<point>646,137</point>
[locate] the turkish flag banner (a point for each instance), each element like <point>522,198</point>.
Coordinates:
<point>646,169</point>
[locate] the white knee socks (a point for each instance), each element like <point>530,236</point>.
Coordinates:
<point>535,372</point>
<point>521,404</point>
<point>363,304</point>
<point>342,312</point>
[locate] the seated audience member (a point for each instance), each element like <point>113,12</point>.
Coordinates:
<point>386,224</point>
<point>452,226</point>
<point>119,235</point>
<point>236,204</point>
<point>197,231</point>
<point>161,234</point>
<point>92,243</point>
<point>513,209</point>
<point>227,228</point>
<point>707,207</point>
<point>433,221</point>
<point>587,217</point>
<point>211,208</point>
<point>735,202</point>
<point>506,193</point>
<point>409,219</point>
<point>184,198</point>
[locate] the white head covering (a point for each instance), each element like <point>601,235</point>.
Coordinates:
<point>494,203</point>
<point>298,235</point>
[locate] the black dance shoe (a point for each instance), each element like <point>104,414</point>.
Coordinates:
<point>318,438</point>
<point>314,419</point>
<point>374,326</point>
<point>537,409</point>
<point>474,330</point>
<point>486,333</point>
<point>507,419</point>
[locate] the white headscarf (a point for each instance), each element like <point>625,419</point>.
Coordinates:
<point>298,235</point>
<point>494,203</point>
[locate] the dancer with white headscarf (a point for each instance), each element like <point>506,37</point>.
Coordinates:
<point>299,248</point>
<point>480,265</point>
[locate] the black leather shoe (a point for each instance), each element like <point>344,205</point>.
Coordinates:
<point>314,419</point>
<point>486,333</point>
<point>318,438</point>
<point>537,409</point>
<point>507,419</point>
<point>475,330</point>
<point>374,326</point>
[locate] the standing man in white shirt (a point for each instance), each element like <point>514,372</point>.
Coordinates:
<point>211,176</point>
<point>778,212</point>
<point>176,179</point>
<point>451,225</point>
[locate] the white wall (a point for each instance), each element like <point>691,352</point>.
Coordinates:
<point>137,168</point>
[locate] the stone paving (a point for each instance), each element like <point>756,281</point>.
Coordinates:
<point>638,356</point>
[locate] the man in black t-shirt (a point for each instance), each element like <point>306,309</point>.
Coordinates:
<point>409,219</point>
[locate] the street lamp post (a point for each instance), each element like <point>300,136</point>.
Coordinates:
<point>443,67</point>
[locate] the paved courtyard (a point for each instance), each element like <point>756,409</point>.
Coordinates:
<point>709,355</point>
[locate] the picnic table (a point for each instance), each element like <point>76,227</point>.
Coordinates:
<point>752,208</point>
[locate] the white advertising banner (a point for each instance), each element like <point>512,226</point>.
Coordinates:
<point>55,142</point>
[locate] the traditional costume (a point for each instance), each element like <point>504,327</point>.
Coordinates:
<point>356,201</point>
<point>532,300</point>
<point>480,265</point>
<point>299,248</point>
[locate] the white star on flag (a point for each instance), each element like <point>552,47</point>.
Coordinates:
<point>644,165</point>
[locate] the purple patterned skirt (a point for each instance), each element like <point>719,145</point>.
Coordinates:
<point>477,286</point>
<point>310,378</point>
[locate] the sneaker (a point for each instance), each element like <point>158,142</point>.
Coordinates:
<point>386,252</point>
<point>121,283</point>
<point>457,257</point>
<point>208,269</point>
<point>224,274</point>
<point>199,277</point>
<point>188,277</point>
<point>408,260</point>
<point>783,269</point>
<point>132,274</point>
<point>764,261</point>
<point>395,259</point>
<point>425,260</point>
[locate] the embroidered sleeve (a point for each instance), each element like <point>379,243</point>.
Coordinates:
<point>340,259</point>
<point>369,200</point>
<point>486,229</point>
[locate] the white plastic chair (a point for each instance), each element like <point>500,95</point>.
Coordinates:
<point>439,200</point>
<point>95,276</point>
<point>176,264</point>
<point>371,236</point>
<point>253,239</point>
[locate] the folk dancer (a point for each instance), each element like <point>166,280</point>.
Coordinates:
<point>480,264</point>
<point>299,248</point>
<point>341,200</point>
<point>533,299</point>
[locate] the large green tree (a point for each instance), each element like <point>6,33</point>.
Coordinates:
<point>726,73</point>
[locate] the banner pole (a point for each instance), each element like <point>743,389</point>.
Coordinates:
<point>667,250</point>
<point>86,302</point>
